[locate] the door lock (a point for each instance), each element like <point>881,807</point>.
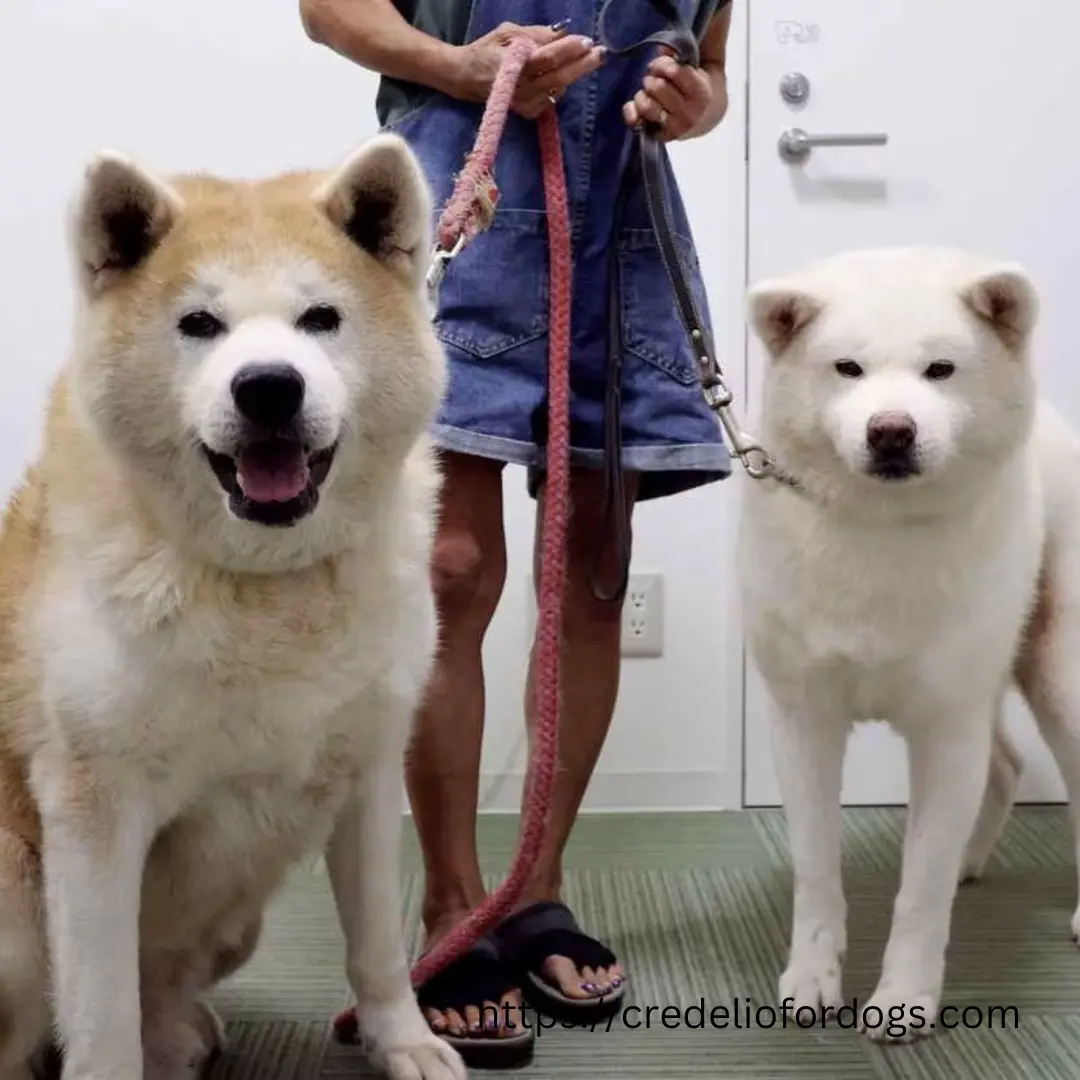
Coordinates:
<point>795,88</point>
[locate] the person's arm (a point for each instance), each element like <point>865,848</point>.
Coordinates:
<point>373,34</point>
<point>714,65</point>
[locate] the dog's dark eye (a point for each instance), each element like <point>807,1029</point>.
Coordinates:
<point>939,369</point>
<point>320,319</point>
<point>200,324</point>
<point>848,369</point>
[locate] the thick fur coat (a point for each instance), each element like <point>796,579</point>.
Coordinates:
<point>215,615</point>
<point>921,568</point>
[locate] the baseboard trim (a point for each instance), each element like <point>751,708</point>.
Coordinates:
<point>609,792</point>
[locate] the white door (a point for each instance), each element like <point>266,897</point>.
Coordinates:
<point>968,115</point>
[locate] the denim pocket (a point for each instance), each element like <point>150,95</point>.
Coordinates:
<point>494,296</point>
<point>652,329</point>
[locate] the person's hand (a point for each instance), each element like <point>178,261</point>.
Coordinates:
<point>673,96</point>
<point>559,60</point>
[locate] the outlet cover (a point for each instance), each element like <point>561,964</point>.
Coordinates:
<point>642,616</point>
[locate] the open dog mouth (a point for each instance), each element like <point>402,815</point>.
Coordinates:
<point>273,481</point>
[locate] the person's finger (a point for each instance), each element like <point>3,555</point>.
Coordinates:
<point>650,110</point>
<point>542,35</point>
<point>532,106</point>
<point>630,115</point>
<point>664,94</point>
<point>685,79</point>
<point>672,125</point>
<point>556,54</point>
<point>541,91</point>
<point>563,76</point>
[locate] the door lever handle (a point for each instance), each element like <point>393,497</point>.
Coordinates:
<point>795,144</point>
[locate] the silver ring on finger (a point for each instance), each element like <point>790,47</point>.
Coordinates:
<point>553,96</point>
<point>662,119</point>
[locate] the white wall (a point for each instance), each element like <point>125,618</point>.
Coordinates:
<point>236,87</point>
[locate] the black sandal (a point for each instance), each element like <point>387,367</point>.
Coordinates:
<point>547,929</point>
<point>482,974</point>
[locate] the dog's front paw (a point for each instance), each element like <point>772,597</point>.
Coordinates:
<point>895,1014</point>
<point>433,1059</point>
<point>812,980</point>
<point>402,1046</point>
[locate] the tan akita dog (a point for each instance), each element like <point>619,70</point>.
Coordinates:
<point>215,617</point>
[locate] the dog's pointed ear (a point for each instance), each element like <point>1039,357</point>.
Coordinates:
<point>120,216</point>
<point>779,312</point>
<point>1005,298</point>
<point>380,199</point>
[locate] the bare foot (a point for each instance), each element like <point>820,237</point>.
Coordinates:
<point>545,940</point>
<point>475,996</point>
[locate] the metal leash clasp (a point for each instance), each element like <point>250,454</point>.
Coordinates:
<point>754,458</point>
<point>440,259</point>
<point>746,448</point>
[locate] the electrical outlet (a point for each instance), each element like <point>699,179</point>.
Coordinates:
<point>642,616</point>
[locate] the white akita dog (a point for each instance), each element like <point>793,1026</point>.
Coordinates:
<point>215,613</point>
<point>919,567</point>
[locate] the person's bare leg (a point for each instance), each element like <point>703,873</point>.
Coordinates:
<point>443,763</point>
<point>591,663</point>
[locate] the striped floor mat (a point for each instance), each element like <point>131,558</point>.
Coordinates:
<point>698,908</point>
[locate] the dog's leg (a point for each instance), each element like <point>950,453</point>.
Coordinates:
<point>181,1032</point>
<point>949,766</point>
<point>809,754</point>
<point>24,1004</point>
<point>363,861</point>
<point>1047,674</point>
<point>1006,767</point>
<point>96,835</point>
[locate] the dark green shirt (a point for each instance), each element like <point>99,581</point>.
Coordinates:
<point>448,20</point>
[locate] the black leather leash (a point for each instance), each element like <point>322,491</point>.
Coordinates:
<point>647,168</point>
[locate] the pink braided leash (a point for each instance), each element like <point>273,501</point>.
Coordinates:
<point>472,202</point>
<point>467,212</point>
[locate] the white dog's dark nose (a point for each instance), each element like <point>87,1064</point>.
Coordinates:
<point>891,433</point>
<point>890,437</point>
<point>268,395</point>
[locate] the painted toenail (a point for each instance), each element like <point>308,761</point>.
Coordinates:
<point>589,988</point>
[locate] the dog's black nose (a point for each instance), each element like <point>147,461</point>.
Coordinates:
<point>891,433</point>
<point>268,395</point>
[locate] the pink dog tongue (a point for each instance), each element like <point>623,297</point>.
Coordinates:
<point>272,471</point>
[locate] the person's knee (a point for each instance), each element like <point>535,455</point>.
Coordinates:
<point>468,575</point>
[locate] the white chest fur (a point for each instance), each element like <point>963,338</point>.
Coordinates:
<point>218,679</point>
<point>872,608</point>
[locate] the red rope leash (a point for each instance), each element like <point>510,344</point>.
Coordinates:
<point>467,212</point>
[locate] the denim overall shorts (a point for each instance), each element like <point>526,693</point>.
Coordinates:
<point>492,312</point>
